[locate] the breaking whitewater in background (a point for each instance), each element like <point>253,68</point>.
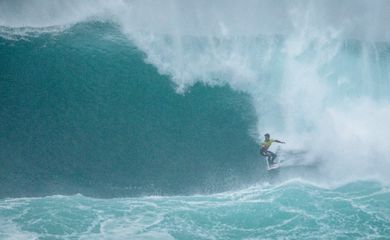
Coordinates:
<point>142,119</point>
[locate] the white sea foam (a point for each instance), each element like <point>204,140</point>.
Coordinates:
<point>292,209</point>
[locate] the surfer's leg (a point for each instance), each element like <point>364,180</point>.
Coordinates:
<point>273,156</point>
<point>267,156</point>
<point>269,159</point>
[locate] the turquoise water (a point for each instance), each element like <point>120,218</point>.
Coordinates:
<point>142,119</point>
<point>96,119</point>
<point>293,210</point>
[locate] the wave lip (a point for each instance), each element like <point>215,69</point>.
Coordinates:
<point>202,18</point>
<point>44,13</point>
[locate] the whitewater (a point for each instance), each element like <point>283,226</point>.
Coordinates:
<point>132,119</point>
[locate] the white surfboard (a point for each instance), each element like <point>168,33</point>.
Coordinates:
<point>272,166</point>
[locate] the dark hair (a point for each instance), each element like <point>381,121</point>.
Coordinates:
<point>266,135</point>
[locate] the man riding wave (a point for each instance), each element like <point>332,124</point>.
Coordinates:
<point>265,146</point>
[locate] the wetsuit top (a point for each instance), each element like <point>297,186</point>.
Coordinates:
<point>266,144</point>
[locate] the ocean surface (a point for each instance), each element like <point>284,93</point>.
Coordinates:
<point>143,119</point>
<point>292,210</point>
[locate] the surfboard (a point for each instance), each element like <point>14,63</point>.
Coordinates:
<point>272,166</point>
<point>279,160</point>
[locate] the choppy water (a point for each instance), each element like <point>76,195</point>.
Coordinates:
<point>293,210</point>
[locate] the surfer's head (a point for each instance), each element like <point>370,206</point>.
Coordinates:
<point>266,136</point>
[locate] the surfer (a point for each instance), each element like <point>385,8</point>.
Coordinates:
<point>265,146</point>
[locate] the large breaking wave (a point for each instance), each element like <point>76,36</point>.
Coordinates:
<point>82,111</point>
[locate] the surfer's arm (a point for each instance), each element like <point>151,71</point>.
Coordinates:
<point>278,141</point>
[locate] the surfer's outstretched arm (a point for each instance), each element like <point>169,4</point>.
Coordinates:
<point>280,141</point>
